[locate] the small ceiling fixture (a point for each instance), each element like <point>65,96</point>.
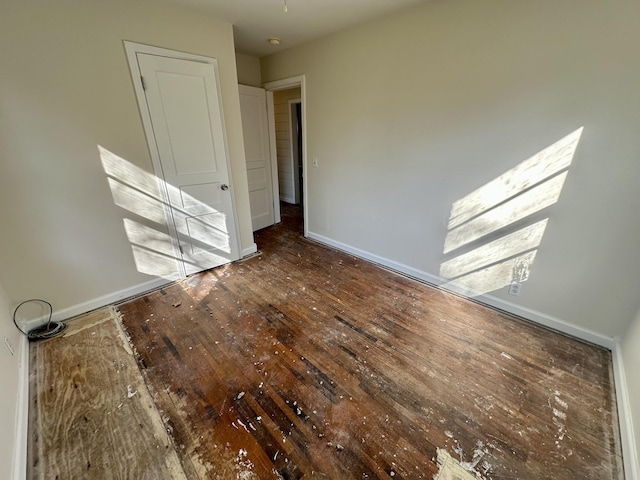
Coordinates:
<point>275,41</point>
<point>286,8</point>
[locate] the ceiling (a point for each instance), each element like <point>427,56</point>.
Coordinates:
<point>255,21</point>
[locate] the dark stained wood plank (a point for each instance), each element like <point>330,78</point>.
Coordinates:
<point>91,415</point>
<point>305,362</point>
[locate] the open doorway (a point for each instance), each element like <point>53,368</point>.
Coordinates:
<point>286,116</point>
<point>286,139</point>
<point>295,111</point>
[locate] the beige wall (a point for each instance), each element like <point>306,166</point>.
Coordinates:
<point>412,112</point>
<point>248,70</point>
<point>286,167</point>
<point>10,372</point>
<point>65,89</point>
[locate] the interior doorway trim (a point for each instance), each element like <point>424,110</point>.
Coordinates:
<point>295,153</point>
<point>284,84</point>
<point>273,154</point>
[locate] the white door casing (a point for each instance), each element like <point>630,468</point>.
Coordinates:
<point>286,83</point>
<point>295,150</point>
<point>271,126</point>
<point>181,109</point>
<point>253,107</point>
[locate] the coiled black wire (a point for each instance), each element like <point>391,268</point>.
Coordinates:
<point>48,330</point>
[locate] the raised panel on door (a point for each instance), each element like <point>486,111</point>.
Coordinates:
<point>183,102</point>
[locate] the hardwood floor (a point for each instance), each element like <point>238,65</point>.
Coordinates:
<point>304,362</point>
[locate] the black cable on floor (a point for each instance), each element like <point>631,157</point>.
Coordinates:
<point>48,330</point>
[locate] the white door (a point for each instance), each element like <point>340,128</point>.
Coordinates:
<point>253,107</point>
<point>184,108</point>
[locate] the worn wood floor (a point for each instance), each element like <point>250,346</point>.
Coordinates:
<point>304,362</point>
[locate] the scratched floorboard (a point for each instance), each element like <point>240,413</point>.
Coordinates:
<point>304,362</point>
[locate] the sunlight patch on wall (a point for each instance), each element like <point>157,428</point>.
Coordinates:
<point>506,214</point>
<point>137,201</point>
<point>510,245</point>
<point>152,249</point>
<point>536,169</point>
<point>201,237</point>
<point>493,233</point>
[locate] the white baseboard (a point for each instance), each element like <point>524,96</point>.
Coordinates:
<point>385,262</point>
<point>526,313</point>
<point>22,420</point>
<point>550,322</point>
<point>629,445</point>
<point>253,248</point>
<point>115,297</point>
<point>108,299</point>
<point>627,435</point>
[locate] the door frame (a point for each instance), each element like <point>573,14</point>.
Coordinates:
<point>132,49</point>
<point>273,153</point>
<point>293,146</point>
<point>284,84</point>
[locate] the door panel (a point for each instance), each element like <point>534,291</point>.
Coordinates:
<point>253,107</point>
<point>206,194</point>
<point>259,198</point>
<point>186,113</point>
<point>183,102</point>
<point>204,231</point>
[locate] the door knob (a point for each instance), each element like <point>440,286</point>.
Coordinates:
<point>224,187</point>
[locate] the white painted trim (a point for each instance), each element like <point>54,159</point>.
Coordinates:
<point>298,81</point>
<point>532,315</point>
<point>273,153</point>
<point>109,299</point>
<point>549,321</point>
<point>253,248</point>
<point>390,264</point>
<point>627,435</point>
<point>115,297</point>
<point>292,146</point>
<point>22,414</point>
<point>284,84</point>
<point>227,154</point>
<point>305,158</point>
<point>132,49</point>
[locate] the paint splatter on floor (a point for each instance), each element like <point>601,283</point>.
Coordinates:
<point>450,469</point>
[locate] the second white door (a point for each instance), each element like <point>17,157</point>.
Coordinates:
<point>253,107</point>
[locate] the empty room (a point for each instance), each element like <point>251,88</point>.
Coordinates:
<point>400,243</point>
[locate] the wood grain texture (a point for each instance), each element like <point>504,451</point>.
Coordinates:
<point>91,416</point>
<point>305,362</point>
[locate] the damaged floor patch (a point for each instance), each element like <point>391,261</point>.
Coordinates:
<point>450,469</point>
<point>91,413</point>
